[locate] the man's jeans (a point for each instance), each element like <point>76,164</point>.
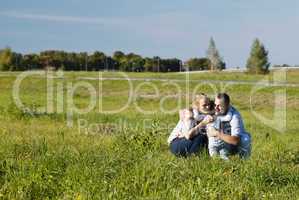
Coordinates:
<point>243,148</point>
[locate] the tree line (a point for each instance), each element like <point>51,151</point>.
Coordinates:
<point>82,61</point>
<point>131,62</point>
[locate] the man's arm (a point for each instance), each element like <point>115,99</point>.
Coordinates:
<point>234,140</point>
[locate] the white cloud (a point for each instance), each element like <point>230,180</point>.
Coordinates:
<point>158,27</point>
<point>60,18</point>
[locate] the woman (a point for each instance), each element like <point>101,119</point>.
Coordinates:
<point>191,140</point>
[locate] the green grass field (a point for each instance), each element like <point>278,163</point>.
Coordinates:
<point>124,155</point>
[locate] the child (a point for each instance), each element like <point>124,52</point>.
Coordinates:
<point>184,125</point>
<point>217,146</point>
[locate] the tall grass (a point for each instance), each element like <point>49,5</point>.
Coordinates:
<point>42,158</point>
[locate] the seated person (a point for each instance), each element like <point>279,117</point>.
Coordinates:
<point>184,125</point>
<point>233,132</point>
<point>185,138</point>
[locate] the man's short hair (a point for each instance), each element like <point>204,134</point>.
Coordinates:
<point>224,98</point>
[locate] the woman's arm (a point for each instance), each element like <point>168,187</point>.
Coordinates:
<point>175,132</point>
<point>195,130</point>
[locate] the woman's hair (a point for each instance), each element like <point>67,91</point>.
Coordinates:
<point>190,109</point>
<point>197,100</point>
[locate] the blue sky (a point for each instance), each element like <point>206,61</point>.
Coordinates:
<point>166,28</point>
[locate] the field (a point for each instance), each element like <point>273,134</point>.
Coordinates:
<point>119,151</point>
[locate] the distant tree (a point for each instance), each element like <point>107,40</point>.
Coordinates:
<point>31,61</point>
<point>257,62</point>
<point>57,59</point>
<point>82,61</point>
<point>170,65</point>
<point>67,61</point>
<point>110,63</point>
<point>137,64</point>
<point>148,64</point>
<point>286,65</point>
<point>47,59</point>
<point>198,64</point>
<point>131,62</point>
<point>97,61</point>
<point>5,59</point>
<point>118,55</point>
<point>156,64</point>
<point>17,62</point>
<point>213,55</point>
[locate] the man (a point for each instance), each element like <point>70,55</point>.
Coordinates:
<point>233,133</point>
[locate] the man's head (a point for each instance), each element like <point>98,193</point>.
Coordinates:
<point>222,103</point>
